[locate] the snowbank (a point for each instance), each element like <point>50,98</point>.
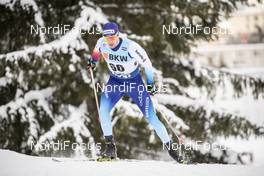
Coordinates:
<point>253,145</point>
<point>12,164</point>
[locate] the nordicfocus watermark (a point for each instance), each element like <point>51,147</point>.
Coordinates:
<point>194,30</point>
<point>64,145</point>
<point>61,29</point>
<point>127,87</point>
<point>197,145</point>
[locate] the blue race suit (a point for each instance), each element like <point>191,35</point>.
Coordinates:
<point>123,63</point>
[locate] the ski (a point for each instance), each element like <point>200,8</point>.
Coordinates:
<point>57,159</point>
<point>72,159</point>
<point>99,159</point>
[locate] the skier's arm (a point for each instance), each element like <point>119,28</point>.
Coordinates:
<point>95,56</point>
<point>140,54</point>
<point>96,52</point>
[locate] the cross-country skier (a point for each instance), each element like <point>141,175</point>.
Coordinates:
<point>123,57</point>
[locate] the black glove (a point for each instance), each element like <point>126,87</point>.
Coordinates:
<point>152,89</point>
<point>91,64</point>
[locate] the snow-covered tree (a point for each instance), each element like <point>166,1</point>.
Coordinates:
<point>46,92</point>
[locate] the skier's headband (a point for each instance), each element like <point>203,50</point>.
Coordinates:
<point>109,32</point>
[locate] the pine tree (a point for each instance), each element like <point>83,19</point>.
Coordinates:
<point>46,92</point>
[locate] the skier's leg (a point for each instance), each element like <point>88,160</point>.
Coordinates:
<point>142,98</point>
<point>109,98</point>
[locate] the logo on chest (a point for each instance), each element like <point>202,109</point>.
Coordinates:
<point>117,58</point>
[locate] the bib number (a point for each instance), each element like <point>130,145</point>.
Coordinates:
<point>117,67</point>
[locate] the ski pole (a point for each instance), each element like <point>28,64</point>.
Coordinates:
<point>166,120</point>
<point>178,138</point>
<point>94,89</point>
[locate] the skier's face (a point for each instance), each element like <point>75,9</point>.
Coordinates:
<point>111,40</point>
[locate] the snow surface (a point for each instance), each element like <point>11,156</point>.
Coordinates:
<point>253,145</point>
<point>13,164</point>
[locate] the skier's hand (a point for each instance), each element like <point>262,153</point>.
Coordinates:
<point>152,89</point>
<point>91,64</point>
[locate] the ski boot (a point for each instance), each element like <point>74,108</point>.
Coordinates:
<point>109,153</point>
<point>175,154</point>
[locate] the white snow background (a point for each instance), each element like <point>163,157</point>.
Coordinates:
<point>17,164</point>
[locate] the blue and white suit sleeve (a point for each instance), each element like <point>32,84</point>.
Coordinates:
<point>140,54</point>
